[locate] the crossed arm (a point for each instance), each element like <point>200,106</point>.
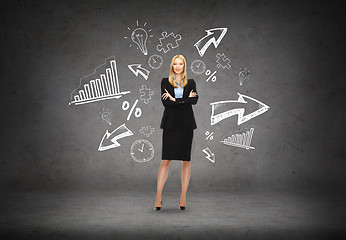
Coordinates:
<point>169,101</point>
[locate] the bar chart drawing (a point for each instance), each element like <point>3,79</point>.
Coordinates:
<point>102,84</point>
<point>240,140</point>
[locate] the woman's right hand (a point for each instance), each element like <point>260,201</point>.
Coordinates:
<point>192,94</point>
<point>167,95</point>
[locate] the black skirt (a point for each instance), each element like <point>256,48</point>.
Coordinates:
<point>176,144</point>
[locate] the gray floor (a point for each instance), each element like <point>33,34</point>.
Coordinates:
<point>212,215</point>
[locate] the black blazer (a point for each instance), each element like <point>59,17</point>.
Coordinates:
<point>178,114</point>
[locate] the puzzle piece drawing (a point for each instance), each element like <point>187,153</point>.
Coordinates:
<point>168,41</point>
<point>146,94</point>
<point>224,63</point>
<point>147,131</point>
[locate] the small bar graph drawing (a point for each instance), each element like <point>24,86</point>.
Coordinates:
<point>240,140</point>
<point>102,84</point>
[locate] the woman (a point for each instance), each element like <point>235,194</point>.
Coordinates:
<point>178,123</point>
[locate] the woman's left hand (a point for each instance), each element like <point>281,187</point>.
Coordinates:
<point>192,94</point>
<point>167,95</point>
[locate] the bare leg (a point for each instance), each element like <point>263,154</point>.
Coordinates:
<point>161,180</point>
<point>185,178</point>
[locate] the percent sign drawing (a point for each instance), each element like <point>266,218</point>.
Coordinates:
<point>212,76</point>
<point>210,135</point>
<point>126,106</point>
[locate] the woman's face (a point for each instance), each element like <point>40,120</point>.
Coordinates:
<point>178,65</point>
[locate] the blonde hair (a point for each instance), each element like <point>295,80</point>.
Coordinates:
<point>172,74</point>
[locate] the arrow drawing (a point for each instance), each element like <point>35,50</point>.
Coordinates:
<point>215,118</point>
<point>210,155</point>
<point>109,140</point>
<point>203,44</point>
<point>137,68</point>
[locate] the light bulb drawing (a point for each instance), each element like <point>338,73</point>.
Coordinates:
<point>242,75</point>
<point>140,37</point>
<point>106,116</point>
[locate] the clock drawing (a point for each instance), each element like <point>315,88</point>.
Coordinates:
<point>198,67</point>
<point>142,151</point>
<point>155,61</point>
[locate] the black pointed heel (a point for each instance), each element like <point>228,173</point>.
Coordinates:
<point>182,207</point>
<point>158,208</point>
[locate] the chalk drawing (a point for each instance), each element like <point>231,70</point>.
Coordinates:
<point>140,37</point>
<point>240,140</point>
<point>209,135</point>
<point>106,116</point>
<point>210,155</point>
<point>138,111</point>
<point>243,75</point>
<point>147,131</point>
<point>155,61</point>
<point>138,69</point>
<point>211,76</point>
<point>198,67</point>
<point>102,84</point>
<point>109,140</point>
<point>203,44</point>
<point>223,61</point>
<point>230,109</point>
<point>168,41</point>
<point>142,151</point>
<point>146,94</point>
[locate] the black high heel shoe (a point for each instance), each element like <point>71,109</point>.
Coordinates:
<point>182,207</point>
<point>158,208</point>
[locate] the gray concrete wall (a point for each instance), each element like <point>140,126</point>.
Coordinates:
<point>293,51</point>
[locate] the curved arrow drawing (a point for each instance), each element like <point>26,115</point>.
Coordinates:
<point>109,140</point>
<point>137,68</point>
<point>208,39</point>
<point>215,118</point>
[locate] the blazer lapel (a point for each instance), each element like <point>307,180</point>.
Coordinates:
<point>185,89</point>
<point>170,88</point>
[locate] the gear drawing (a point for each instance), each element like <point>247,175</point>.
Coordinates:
<point>147,131</point>
<point>168,41</point>
<point>146,94</point>
<point>225,61</point>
